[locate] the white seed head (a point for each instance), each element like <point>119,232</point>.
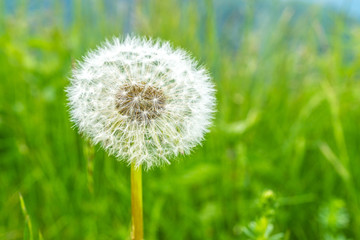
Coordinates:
<point>142,100</point>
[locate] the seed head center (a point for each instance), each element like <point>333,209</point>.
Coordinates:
<point>140,102</point>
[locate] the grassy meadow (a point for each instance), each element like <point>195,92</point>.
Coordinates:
<point>281,160</point>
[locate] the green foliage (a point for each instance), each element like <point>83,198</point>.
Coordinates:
<point>28,234</point>
<point>262,228</point>
<point>288,120</point>
<point>334,218</point>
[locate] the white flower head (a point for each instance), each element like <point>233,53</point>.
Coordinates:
<point>142,100</point>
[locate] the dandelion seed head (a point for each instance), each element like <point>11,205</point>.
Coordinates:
<point>137,102</point>
<point>142,100</point>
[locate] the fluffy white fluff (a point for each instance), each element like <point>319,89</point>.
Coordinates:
<point>141,99</point>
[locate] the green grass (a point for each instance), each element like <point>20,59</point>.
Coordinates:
<point>288,120</point>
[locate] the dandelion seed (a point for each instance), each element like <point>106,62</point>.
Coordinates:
<point>142,100</point>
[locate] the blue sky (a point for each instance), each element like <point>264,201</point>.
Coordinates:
<point>352,7</point>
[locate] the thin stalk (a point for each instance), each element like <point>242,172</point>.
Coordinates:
<point>136,204</point>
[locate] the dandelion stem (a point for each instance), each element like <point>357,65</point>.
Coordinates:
<point>136,204</point>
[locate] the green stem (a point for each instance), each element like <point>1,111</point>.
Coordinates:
<point>136,204</point>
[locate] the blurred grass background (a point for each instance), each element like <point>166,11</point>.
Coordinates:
<point>281,161</point>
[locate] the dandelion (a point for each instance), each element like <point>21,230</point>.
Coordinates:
<point>142,100</point>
